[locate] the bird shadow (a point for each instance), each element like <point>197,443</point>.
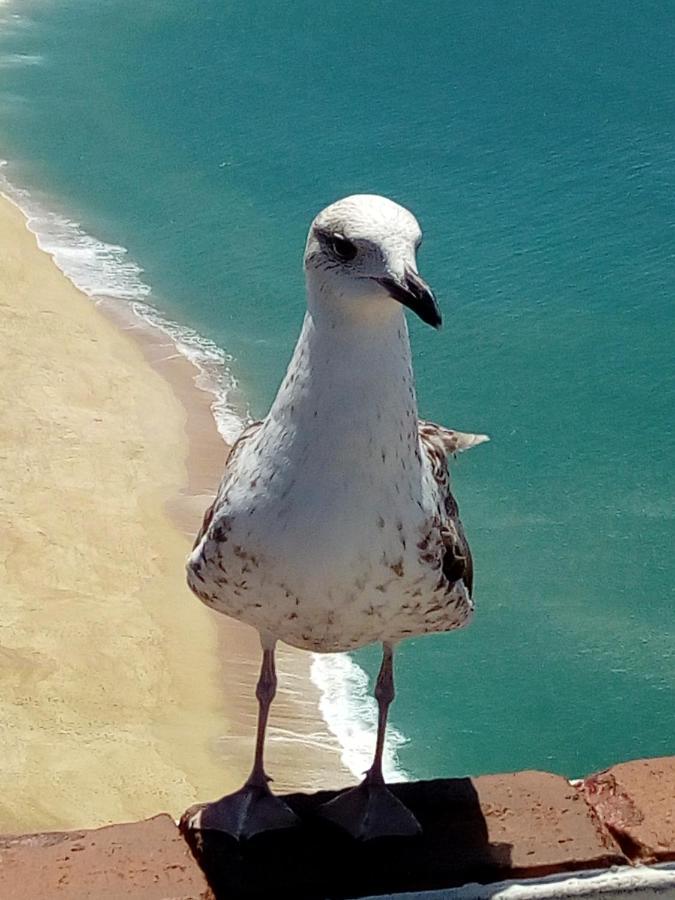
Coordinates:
<point>318,860</point>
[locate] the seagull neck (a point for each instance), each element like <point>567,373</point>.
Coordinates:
<point>350,380</point>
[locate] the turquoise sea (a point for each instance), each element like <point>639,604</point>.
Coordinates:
<point>174,154</point>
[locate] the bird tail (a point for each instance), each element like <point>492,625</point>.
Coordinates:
<point>455,441</point>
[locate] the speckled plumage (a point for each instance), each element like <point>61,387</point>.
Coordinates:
<point>334,525</point>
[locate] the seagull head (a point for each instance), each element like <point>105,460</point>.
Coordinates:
<point>360,261</point>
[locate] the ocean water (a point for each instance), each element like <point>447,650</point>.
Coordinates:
<point>172,156</point>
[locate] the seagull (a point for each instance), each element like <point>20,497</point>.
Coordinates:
<point>334,525</point>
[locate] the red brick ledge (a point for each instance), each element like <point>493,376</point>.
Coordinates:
<point>488,829</point>
<point>635,801</point>
<point>146,860</point>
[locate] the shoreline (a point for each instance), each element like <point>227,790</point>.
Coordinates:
<point>110,710</point>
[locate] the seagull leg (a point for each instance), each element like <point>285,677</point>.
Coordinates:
<point>253,808</point>
<point>371,810</point>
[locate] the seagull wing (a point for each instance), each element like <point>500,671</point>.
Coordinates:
<point>437,442</point>
<point>245,436</point>
<point>457,559</point>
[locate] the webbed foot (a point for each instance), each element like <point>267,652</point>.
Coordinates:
<point>371,811</point>
<point>249,811</point>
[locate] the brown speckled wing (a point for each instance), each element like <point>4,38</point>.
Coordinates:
<point>206,521</point>
<point>457,559</point>
<point>437,442</point>
<point>246,435</point>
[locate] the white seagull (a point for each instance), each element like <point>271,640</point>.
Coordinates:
<point>334,525</point>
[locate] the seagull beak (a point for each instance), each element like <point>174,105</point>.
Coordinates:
<point>413,292</point>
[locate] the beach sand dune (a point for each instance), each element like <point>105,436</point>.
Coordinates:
<point>120,694</point>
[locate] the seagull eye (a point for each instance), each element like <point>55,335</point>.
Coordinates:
<point>342,248</point>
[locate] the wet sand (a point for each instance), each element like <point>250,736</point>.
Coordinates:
<point>120,694</point>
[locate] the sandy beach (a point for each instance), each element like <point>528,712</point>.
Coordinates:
<point>120,694</point>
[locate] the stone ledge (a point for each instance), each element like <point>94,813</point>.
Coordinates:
<point>485,829</point>
<point>635,801</point>
<point>141,861</point>
<point>495,828</point>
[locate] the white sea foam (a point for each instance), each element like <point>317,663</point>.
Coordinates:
<point>20,59</point>
<point>213,367</point>
<point>9,19</point>
<point>350,711</point>
<point>106,271</point>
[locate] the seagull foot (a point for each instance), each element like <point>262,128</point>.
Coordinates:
<point>249,811</point>
<point>371,811</point>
